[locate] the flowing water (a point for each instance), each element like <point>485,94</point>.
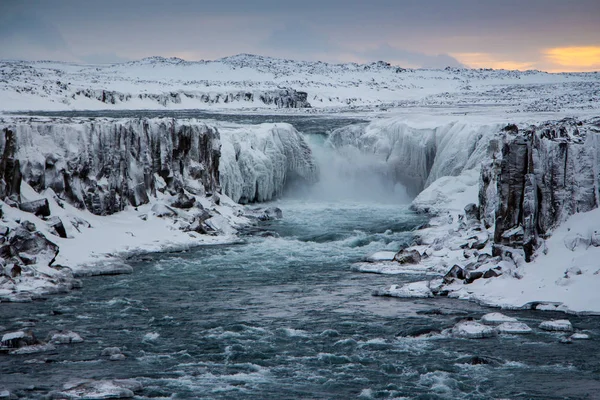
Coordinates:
<point>282,315</point>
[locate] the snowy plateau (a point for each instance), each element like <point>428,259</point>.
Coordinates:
<point>506,163</point>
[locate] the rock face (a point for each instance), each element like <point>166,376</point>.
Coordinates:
<point>105,165</point>
<point>281,98</point>
<point>538,177</point>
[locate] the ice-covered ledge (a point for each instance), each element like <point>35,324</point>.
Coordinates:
<point>486,262</point>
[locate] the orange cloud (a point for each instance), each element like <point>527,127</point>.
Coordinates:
<point>577,58</point>
<point>487,60</point>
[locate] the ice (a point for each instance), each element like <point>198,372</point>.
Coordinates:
<point>257,162</point>
<point>416,154</point>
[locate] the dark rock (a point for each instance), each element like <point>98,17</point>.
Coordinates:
<point>57,225</point>
<point>40,208</point>
<point>471,276</point>
<point>408,257</point>
<point>4,230</point>
<point>183,201</point>
<point>24,241</point>
<point>13,270</point>
<point>456,272</point>
<point>271,213</point>
<point>472,212</point>
<point>479,360</point>
<point>10,170</point>
<point>490,273</point>
<point>544,174</point>
<point>30,226</point>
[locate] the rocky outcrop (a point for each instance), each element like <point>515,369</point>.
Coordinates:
<point>281,98</point>
<point>104,165</point>
<point>537,177</point>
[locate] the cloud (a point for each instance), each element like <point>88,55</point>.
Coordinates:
<point>297,38</point>
<point>577,58</point>
<point>103,58</point>
<point>410,59</point>
<point>24,35</point>
<point>488,60</point>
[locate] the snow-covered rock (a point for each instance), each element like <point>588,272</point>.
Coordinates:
<point>472,330</point>
<point>104,165</point>
<point>579,336</point>
<point>381,256</point>
<point>513,328</point>
<point>496,318</point>
<point>410,290</point>
<point>563,325</point>
<point>101,389</point>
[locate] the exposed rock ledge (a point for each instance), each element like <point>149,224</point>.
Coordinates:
<point>534,239</point>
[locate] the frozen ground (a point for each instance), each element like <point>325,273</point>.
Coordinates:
<point>254,82</point>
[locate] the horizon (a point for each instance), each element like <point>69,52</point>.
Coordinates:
<point>545,35</point>
<point>464,67</point>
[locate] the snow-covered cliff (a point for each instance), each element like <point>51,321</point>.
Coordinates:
<point>540,175</point>
<point>415,155</point>
<point>104,165</point>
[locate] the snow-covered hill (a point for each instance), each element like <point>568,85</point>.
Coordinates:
<point>251,82</point>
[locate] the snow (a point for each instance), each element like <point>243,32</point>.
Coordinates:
<point>549,278</point>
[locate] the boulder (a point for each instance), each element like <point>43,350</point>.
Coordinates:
<point>40,208</point>
<point>472,212</point>
<point>472,330</point>
<point>408,257</point>
<point>558,325</point>
<point>513,328</point>
<point>57,227</point>
<point>32,243</point>
<point>456,272</point>
<point>64,337</point>
<point>496,318</point>
<point>183,201</point>
<point>490,273</point>
<point>471,276</point>
<point>18,339</point>
<point>162,210</point>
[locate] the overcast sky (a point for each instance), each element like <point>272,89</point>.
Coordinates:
<point>551,35</point>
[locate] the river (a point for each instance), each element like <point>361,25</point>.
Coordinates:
<point>283,315</point>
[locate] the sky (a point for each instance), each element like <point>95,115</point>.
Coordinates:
<point>549,35</point>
